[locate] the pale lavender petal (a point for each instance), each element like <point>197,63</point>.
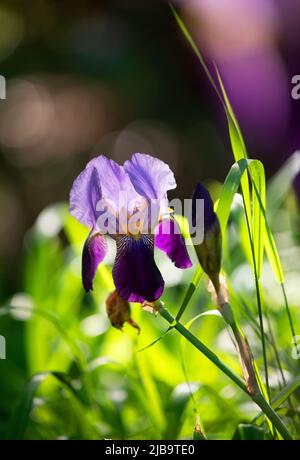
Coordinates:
<point>169,239</point>
<point>103,189</point>
<point>135,273</point>
<point>84,195</point>
<point>151,177</point>
<point>114,180</point>
<point>93,253</point>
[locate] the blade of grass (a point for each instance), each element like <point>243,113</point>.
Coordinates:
<point>154,402</point>
<point>191,289</point>
<point>176,406</point>
<point>236,138</point>
<point>57,323</point>
<point>237,143</point>
<point>258,398</point>
<point>276,264</point>
<point>257,174</point>
<point>194,47</point>
<point>255,227</point>
<point>281,397</point>
<point>19,420</point>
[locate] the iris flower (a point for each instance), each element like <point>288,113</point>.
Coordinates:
<point>145,181</point>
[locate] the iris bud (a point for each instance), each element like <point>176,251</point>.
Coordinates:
<point>209,251</point>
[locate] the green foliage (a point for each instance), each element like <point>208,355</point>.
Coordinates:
<point>69,374</point>
<point>247,432</point>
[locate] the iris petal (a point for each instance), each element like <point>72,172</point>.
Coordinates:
<point>169,239</point>
<point>102,179</point>
<point>93,253</point>
<point>135,273</point>
<point>114,180</point>
<point>151,177</point>
<point>84,195</point>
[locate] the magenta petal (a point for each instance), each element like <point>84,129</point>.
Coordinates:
<point>169,239</point>
<point>135,273</point>
<point>94,251</point>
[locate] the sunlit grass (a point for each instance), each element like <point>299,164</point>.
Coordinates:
<point>71,375</point>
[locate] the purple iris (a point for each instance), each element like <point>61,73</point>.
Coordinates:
<point>95,202</point>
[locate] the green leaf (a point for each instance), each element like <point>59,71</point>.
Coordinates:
<point>270,245</point>
<point>237,144</point>
<point>261,234</point>
<point>236,138</point>
<point>176,406</point>
<point>156,340</point>
<point>281,397</point>
<point>58,323</point>
<point>249,432</point>
<point>194,47</point>
<point>229,189</point>
<point>257,174</point>
<point>191,289</point>
<point>151,397</point>
<point>19,420</point>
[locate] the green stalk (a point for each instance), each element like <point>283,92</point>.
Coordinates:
<point>203,348</point>
<point>246,358</point>
<point>289,314</point>
<point>269,337</point>
<point>259,306</point>
<point>257,398</point>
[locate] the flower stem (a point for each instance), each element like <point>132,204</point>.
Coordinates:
<point>259,305</point>
<point>257,398</point>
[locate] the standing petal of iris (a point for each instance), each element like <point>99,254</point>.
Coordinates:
<point>135,273</point>
<point>114,180</point>
<point>93,253</point>
<point>169,239</point>
<point>151,177</point>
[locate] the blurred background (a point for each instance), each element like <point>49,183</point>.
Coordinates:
<point>117,77</point>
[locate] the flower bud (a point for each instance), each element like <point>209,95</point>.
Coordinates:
<point>118,311</point>
<point>209,252</point>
